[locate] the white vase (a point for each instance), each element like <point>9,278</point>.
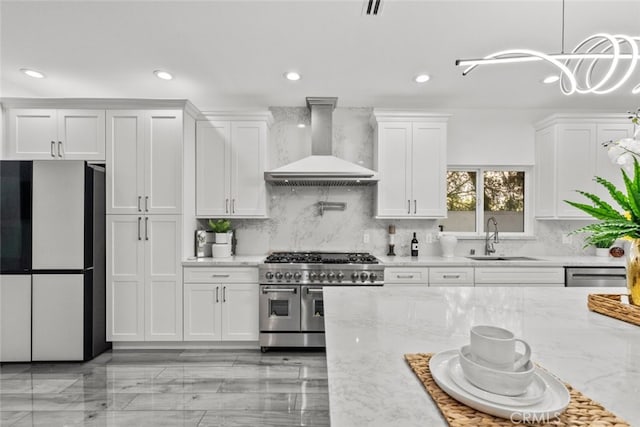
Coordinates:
<point>603,252</point>
<point>448,245</point>
<point>222,238</point>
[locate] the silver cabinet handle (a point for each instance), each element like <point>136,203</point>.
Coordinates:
<point>404,276</point>
<point>219,275</point>
<point>53,147</point>
<point>139,201</point>
<point>276,290</point>
<point>146,203</point>
<point>224,294</point>
<point>226,204</point>
<point>139,236</point>
<point>314,291</point>
<point>60,149</point>
<point>146,228</point>
<point>450,276</point>
<point>408,206</point>
<point>217,289</point>
<point>415,206</point>
<point>233,205</point>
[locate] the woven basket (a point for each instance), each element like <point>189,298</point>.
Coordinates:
<point>611,305</point>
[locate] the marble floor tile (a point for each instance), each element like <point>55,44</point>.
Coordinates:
<point>312,402</point>
<point>35,402</point>
<point>147,385</point>
<point>264,418</point>
<point>280,385</point>
<point>306,359</point>
<point>231,372</point>
<point>164,358</point>
<point>111,418</point>
<point>34,385</point>
<point>8,418</point>
<point>213,401</point>
<point>101,402</point>
<point>8,370</point>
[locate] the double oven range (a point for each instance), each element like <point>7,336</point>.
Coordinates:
<point>291,302</point>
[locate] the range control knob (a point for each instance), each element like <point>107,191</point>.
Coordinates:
<point>269,275</point>
<point>340,276</point>
<point>331,276</point>
<point>354,276</point>
<point>373,277</point>
<point>363,276</point>
<point>313,276</point>
<point>322,276</point>
<point>278,275</point>
<point>287,275</point>
<point>297,276</point>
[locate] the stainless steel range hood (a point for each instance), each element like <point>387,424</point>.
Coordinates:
<point>321,168</point>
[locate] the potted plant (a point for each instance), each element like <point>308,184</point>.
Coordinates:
<point>220,228</point>
<point>603,245</point>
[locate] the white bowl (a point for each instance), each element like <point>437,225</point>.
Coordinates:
<point>507,383</point>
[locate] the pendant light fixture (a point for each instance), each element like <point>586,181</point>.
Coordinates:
<point>618,53</point>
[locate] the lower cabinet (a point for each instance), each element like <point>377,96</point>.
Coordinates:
<point>221,304</point>
<point>445,276</point>
<point>406,276</point>
<point>519,276</point>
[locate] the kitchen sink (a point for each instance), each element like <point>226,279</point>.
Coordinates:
<point>502,258</point>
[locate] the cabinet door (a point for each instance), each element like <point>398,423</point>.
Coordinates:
<point>202,307</point>
<point>81,134</point>
<point>213,160</point>
<point>545,171</point>
<point>15,318</point>
<point>604,167</point>
<point>428,165</point>
<point>125,162</point>
<point>163,162</point>
<point>32,134</point>
<point>575,166</point>
<point>163,277</point>
<point>125,278</point>
<point>248,154</point>
<point>394,169</point>
<point>240,312</point>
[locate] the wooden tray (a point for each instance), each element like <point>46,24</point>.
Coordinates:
<point>611,305</point>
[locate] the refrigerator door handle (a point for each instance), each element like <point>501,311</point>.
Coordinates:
<point>139,236</point>
<point>146,228</point>
<point>60,152</point>
<point>53,147</point>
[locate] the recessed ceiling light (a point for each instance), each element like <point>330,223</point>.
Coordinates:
<point>302,125</point>
<point>551,79</point>
<point>292,75</point>
<point>422,78</point>
<point>163,75</point>
<point>32,73</point>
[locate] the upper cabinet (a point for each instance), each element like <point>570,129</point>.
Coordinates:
<point>231,153</point>
<point>144,161</point>
<point>411,159</point>
<point>55,134</point>
<point>569,154</point>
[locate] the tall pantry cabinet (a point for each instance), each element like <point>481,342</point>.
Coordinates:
<point>146,176</point>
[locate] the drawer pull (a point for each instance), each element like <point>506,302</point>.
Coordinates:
<point>220,275</point>
<point>404,276</point>
<point>450,276</point>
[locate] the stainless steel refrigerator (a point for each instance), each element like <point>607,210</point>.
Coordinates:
<point>66,251</point>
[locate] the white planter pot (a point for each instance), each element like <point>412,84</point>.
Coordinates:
<point>222,238</point>
<point>603,252</point>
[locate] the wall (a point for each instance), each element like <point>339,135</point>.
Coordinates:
<point>497,137</point>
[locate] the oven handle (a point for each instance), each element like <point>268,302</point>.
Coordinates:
<point>314,291</point>
<point>277,290</point>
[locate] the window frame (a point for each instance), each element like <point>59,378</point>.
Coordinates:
<point>480,220</point>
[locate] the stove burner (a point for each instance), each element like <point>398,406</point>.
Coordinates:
<point>320,258</point>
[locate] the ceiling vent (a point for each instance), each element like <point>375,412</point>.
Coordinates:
<point>372,7</point>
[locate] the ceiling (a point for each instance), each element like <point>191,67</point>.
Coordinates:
<point>234,53</point>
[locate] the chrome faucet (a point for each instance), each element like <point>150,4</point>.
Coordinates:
<point>488,244</point>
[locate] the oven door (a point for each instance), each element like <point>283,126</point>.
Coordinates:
<point>312,309</point>
<point>279,308</point>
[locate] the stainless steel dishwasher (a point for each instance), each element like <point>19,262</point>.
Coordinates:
<point>595,277</point>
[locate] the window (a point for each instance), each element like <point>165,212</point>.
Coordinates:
<point>476,194</point>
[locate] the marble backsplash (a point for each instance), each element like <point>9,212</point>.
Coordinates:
<point>295,221</point>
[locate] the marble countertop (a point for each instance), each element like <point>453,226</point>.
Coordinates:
<point>239,260</point>
<point>368,330</point>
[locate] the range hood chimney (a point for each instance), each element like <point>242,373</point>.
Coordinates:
<point>321,168</point>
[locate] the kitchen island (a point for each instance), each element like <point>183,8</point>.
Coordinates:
<point>368,330</point>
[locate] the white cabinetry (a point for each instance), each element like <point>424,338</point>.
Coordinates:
<point>231,158</point>
<point>450,276</point>
<point>569,154</point>
<point>519,276</point>
<point>407,276</point>
<point>410,157</point>
<point>144,283</point>
<point>144,161</point>
<point>221,304</point>
<point>53,134</point>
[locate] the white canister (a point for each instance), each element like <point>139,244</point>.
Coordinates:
<point>219,250</point>
<point>448,244</point>
<point>602,252</point>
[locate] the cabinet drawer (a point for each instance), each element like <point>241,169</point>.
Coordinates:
<point>521,275</point>
<point>220,275</point>
<point>406,275</point>
<point>453,276</point>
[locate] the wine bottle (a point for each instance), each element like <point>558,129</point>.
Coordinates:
<point>414,245</point>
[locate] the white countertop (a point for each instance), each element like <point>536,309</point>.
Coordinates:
<point>368,330</point>
<point>234,261</point>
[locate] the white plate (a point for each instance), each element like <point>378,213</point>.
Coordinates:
<point>533,394</point>
<point>556,398</point>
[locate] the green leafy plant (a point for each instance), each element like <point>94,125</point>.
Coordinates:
<point>220,225</point>
<point>613,224</point>
<point>605,243</point>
